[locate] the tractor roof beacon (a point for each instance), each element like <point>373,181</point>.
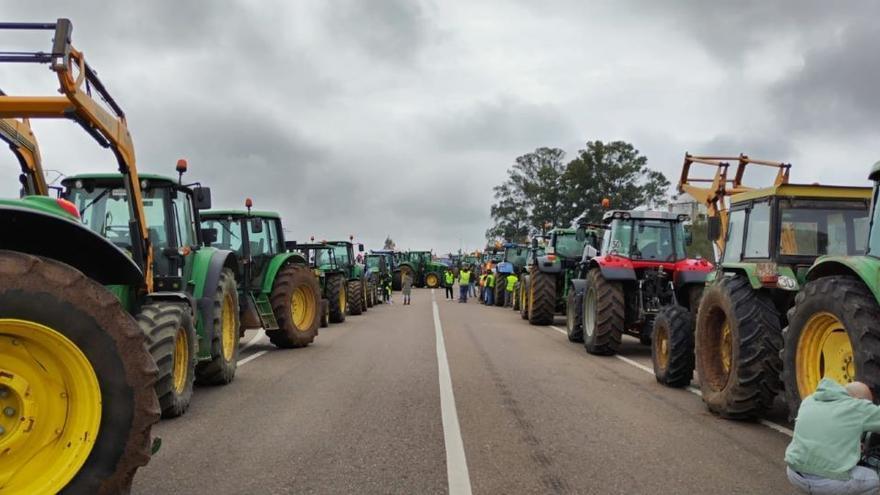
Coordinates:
<point>54,300</point>
<point>643,267</point>
<point>767,239</point>
<point>832,328</point>
<point>277,288</point>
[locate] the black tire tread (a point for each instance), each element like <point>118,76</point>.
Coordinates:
<point>160,321</point>
<point>679,324</point>
<point>355,298</point>
<point>218,371</point>
<point>288,279</point>
<point>610,313</point>
<point>543,297</point>
<point>574,316</point>
<point>335,286</point>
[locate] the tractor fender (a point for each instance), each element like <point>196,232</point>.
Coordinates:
<point>40,233</point>
<point>614,267</point>
<point>545,265</point>
<point>277,263</point>
<point>207,266</point>
<point>865,268</point>
<point>579,286</point>
<point>179,297</point>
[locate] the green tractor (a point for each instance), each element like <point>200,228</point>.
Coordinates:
<point>421,267</point>
<point>769,239</point>
<point>355,275</point>
<point>512,259</point>
<point>378,274</point>
<point>521,291</point>
<point>831,329</point>
<point>549,280</point>
<point>331,278</point>
<point>278,290</point>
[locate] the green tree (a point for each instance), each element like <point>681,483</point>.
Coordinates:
<point>614,170</point>
<point>389,243</point>
<point>700,245</point>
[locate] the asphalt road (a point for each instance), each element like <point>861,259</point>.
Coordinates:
<point>359,411</point>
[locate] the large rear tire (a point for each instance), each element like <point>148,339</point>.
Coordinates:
<point>738,339</point>
<point>524,298</point>
<point>296,303</point>
<point>516,297</point>
<point>355,298</point>
<point>337,297</point>
<point>500,284</point>
<point>604,309</point>
<point>832,332</point>
<point>672,346</point>
<point>542,298</point>
<point>59,308</point>
<point>371,292</point>
<point>574,315</point>
<point>220,370</point>
<point>171,339</point>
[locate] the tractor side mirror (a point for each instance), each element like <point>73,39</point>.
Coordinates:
<point>209,236</point>
<point>202,198</point>
<point>361,248</point>
<point>580,235</point>
<point>590,252</point>
<point>688,237</point>
<point>257,225</point>
<point>713,228</point>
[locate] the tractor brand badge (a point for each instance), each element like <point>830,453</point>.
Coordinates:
<point>786,283</point>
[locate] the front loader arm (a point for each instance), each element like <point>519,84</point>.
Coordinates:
<point>21,140</point>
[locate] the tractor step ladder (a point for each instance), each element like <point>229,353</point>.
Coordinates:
<point>264,309</point>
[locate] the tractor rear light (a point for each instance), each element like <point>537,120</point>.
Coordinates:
<point>68,207</point>
<point>767,274</point>
<point>184,251</point>
<point>551,257</point>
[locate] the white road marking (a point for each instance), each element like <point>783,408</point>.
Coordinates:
<point>251,358</point>
<point>456,464</point>
<point>256,338</point>
<point>691,389</point>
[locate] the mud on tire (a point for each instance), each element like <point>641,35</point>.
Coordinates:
<point>220,370</point>
<point>672,346</point>
<point>60,297</point>
<point>741,380</point>
<point>165,323</point>
<point>337,298</point>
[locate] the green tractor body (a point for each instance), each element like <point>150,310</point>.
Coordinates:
<point>551,272</point>
<point>421,268</point>
<point>379,274</point>
<point>358,287</point>
<point>277,289</point>
<point>774,235</point>
<point>332,279</point>
<point>832,328</point>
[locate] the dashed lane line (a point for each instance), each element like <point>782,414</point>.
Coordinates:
<point>691,389</point>
<point>456,464</point>
<point>256,338</point>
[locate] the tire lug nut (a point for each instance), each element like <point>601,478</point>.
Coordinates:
<point>4,392</point>
<point>2,431</point>
<point>10,412</point>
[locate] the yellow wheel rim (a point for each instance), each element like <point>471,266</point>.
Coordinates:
<point>228,329</point>
<point>823,350</point>
<point>433,281</point>
<point>661,340</point>
<point>726,347</point>
<point>50,408</point>
<point>303,308</point>
<point>342,300</point>
<point>181,361</point>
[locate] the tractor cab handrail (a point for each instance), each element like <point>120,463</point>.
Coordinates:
<point>79,84</point>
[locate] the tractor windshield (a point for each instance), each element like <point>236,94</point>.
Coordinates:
<point>816,228</point>
<point>874,241</point>
<point>568,246</point>
<point>107,212</point>
<point>323,258</point>
<point>228,233</point>
<point>373,262</point>
<point>516,255</point>
<point>341,252</point>
<point>646,239</point>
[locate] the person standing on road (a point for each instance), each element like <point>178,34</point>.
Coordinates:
<point>508,291</point>
<point>480,284</point>
<point>449,280</point>
<point>406,286</point>
<point>489,289</point>
<point>825,450</point>
<point>464,281</point>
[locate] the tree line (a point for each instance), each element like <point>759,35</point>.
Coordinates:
<point>543,190</point>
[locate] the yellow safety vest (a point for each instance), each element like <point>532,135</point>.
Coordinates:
<point>449,278</point>
<point>490,280</point>
<point>511,282</point>
<point>464,277</point>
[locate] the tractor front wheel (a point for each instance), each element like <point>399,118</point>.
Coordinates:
<point>356,297</point>
<point>220,370</point>
<point>603,309</point>
<point>74,366</point>
<point>524,297</point>
<point>542,298</point>
<point>831,333</point>
<point>325,313</point>
<point>500,284</point>
<point>672,346</point>
<point>296,303</point>
<point>516,297</point>
<point>738,339</point>
<point>432,280</point>
<point>574,315</point>
<point>337,297</point>
<point>171,338</point>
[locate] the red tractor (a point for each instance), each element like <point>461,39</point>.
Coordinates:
<point>642,269</point>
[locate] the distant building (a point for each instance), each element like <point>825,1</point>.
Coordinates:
<point>685,204</point>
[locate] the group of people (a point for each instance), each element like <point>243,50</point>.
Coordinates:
<point>482,286</point>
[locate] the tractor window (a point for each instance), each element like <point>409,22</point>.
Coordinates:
<point>812,231</point>
<point>228,233</point>
<point>758,235</point>
<point>619,238</point>
<point>734,245</point>
<point>654,241</point>
<point>341,252</point>
<point>259,241</point>
<point>517,255</point>
<point>373,262</point>
<point>271,227</point>
<point>106,212</point>
<point>323,258</point>
<point>183,219</point>
<point>568,246</point>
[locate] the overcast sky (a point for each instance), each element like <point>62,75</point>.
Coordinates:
<point>397,117</point>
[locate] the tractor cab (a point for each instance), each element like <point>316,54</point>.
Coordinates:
<point>171,211</point>
<point>646,236</point>
<point>255,236</point>
<point>343,251</point>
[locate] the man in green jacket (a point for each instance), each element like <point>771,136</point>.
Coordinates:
<point>826,448</point>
